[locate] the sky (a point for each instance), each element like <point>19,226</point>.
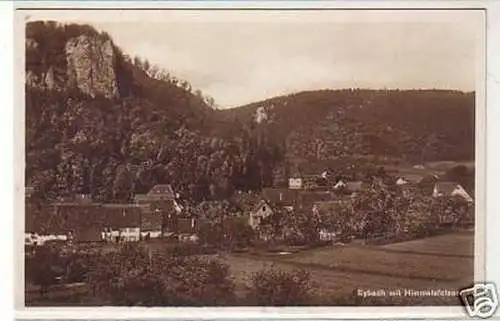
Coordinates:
<point>239,57</point>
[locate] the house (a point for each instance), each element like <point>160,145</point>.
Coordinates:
<point>160,198</point>
<point>308,198</point>
<point>260,211</point>
<point>151,224</point>
<point>162,191</point>
<point>34,239</point>
<point>450,189</point>
<point>28,192</point>
<point>340,185</point>
<point>409,179</point>
<point>295,183</point>
<point>329,208</point>
<point>122,222</point>
<point>281,196</point>
<point>89,234</point>
<point>187,229</point>
<point>401,181</point>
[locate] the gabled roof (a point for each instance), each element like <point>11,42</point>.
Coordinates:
<point>451,189</point>
<point>151,221</point>
<point>339,184</point>
<point>260,205</point>
<point>412,178</point>
<point>162,191</point>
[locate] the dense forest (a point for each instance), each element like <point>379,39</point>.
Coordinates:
<point>158,129</point>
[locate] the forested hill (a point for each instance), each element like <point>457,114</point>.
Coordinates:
<point>102,123</point>
<point>412,126</point>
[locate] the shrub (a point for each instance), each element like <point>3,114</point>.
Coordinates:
<point>279,288</point>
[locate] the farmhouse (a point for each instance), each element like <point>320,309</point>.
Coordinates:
<point>123,222</point>
<point>187,229</point>
<point>151,224</point>
<point>339,185</point>
<point>261,211</point>
<point>281,196</point>
<point>409,179</point>
<point>161,198</point>
<point>89,234</point>
<point>450,189</point>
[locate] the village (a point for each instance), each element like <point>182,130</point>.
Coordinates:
<point>163,214</point>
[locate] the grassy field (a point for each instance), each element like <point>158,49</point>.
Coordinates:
<point>441,262</point>
<point>430,168</point>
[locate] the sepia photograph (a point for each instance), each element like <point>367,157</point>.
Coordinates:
<point>218,158</point>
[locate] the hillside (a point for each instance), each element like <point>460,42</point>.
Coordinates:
<point>329,127</point>
<point>102,123</point>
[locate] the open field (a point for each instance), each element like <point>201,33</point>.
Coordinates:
<point>446,165</point>
<point>442,262</point>
<point>430,168</point>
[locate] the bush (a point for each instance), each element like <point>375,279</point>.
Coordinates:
<point>275,287</point>
<point>134,277</point>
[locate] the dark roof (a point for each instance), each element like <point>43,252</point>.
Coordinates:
<point>327,206</point>
<point>162,191</point>
<point>122,215</point>
<point>412,178</point>
<point>141,198</point>
<point>151,221</point>
<point>282,196</point>
<point>90,234</point>
<point>446,188</point>
<point>310,197</point>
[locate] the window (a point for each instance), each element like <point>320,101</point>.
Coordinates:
<point>263,208</point>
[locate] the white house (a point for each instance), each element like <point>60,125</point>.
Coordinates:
<point>340,184</point>
<point>401,181</point>
<point>262,210</point>
<point>450,189</point>
<point>295,183</point>
<point>38,240</point>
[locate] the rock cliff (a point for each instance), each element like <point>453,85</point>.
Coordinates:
<point>91,65</point>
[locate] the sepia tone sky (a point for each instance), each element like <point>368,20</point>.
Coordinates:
<point>240,57</point>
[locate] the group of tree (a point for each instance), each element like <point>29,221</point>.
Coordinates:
<point>390,125</point>
<point>157,131</point>
<point>161,130</point>
<point>376,211</point>
<point>135,276</point>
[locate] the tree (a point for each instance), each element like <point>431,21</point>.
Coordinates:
<point>135,276</point>
<point>238,233</point>
<point>44,267</point>
<point>276,287</point>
